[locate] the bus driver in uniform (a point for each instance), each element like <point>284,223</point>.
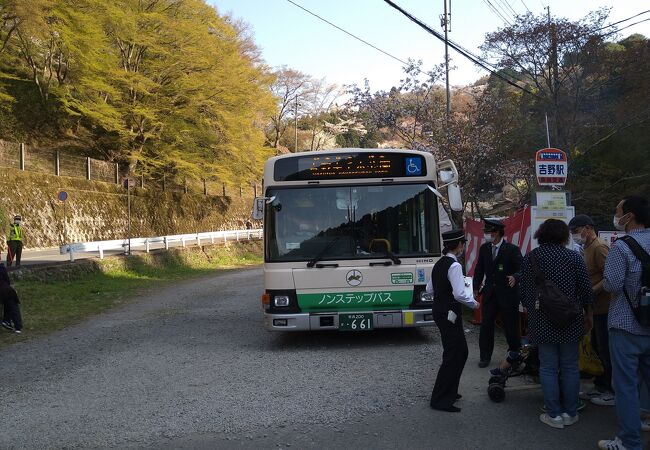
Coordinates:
<point>447,285</point>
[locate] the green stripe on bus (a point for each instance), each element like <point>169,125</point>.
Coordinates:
<point>354,300</point>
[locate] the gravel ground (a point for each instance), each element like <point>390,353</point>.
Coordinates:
<point>195,358</point>
<point>191,366</point>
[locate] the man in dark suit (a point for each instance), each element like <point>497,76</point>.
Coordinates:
<point>495,276</point>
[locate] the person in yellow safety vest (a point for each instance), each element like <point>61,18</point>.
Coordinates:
<point>15,242</point>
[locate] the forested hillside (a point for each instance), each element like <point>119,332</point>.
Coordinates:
<point>170,86</point>
<point>165,86</point>
<point>592,83</point>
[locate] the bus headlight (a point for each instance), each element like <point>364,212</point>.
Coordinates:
<point>281,300</point>
<point>426,297</point>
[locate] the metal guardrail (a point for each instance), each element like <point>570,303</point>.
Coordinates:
<point>145,243</point>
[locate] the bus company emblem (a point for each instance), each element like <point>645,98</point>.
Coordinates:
<point>354,278</point>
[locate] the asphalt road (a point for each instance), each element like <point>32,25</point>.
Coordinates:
<point>53,255</point>
<point>189,366</point>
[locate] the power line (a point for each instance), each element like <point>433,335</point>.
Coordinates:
<point>495,11</point>
<point>463,51</point>
<point>348,33</point>
<point>525,6</point>
<point>503,12</point>
<point>491,68</point>
<point>508,14</point>
<point>593,31</point>
<point>625,20</point>
<point>628,26</point>
<point>508,6</point>
<point>456,47</point>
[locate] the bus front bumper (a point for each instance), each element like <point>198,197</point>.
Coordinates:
<point>330,320</point>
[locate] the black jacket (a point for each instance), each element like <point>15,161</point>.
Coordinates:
<point>8,295</point>
<point>506,263</point>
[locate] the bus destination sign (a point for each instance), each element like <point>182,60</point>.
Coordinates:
<point>324,166</point>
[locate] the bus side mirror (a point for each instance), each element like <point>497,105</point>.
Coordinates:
<point>447,176</point>
<point>455,200</point>
<point>258,208</point>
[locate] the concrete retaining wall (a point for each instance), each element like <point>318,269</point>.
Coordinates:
<point>98,211</point>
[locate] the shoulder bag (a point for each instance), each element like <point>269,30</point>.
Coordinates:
<point>559,309</point>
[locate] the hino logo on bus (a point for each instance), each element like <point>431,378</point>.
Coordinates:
<point>354,278</point>
<point>430,260</point>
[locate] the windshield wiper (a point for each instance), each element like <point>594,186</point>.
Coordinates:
<point>390,255</point>
<point>325,249</point>
<point>393,258</point>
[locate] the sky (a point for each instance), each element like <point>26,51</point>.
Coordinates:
<point>289,36</point>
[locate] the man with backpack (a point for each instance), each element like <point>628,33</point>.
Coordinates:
<point>627,277</point>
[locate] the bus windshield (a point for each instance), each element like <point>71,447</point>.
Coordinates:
<point>351,222</point>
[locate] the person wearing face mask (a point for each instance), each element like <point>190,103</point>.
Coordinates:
<point>447,285</point>
<point>595,252</point>
<point>629,340</point>
<point>15,242</point>
<point>495,276</point>
<point>559,374</point>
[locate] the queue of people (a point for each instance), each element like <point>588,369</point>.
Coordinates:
<point>566,294</point>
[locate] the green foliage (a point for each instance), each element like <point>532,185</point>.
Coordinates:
<point>594,92</point>
<point>605,125</point>
<point>163,85</point>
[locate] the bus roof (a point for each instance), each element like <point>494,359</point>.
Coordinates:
<point>317,166</point>
<point>347,150</point>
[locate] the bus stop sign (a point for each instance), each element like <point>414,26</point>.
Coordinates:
<point>551,167</point>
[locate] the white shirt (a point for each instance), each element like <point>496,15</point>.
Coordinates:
<point>457,280</point>
<point>498,246</point>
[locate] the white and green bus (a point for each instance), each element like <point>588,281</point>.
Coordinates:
<point>350,237</point>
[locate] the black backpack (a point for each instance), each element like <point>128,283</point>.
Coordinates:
<point>559,309</point>
<point>642,310</point>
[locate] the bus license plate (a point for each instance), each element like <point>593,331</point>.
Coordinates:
<point>355,322</point>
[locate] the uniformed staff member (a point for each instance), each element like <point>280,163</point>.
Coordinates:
<point>15,242</point>
<point>448,288</point>
<point>497,270</point>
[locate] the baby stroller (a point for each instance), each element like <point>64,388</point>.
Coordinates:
<point>522,363</point>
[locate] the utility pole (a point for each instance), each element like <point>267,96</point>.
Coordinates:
<point>295,124</point>
<point>554,75</point>
<point>445,21</point>
<point>128,209</point>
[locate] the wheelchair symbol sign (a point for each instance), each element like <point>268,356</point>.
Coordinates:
<point>413,167</point>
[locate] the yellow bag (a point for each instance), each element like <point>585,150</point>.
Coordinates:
<point>589,361</point>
